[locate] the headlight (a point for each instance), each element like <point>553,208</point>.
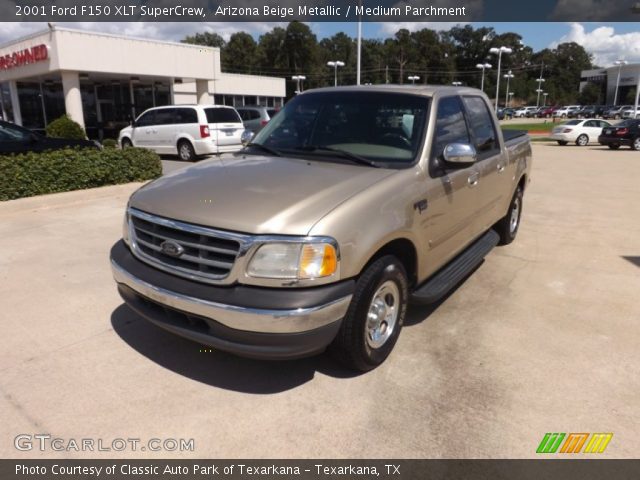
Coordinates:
<point>294,261</point>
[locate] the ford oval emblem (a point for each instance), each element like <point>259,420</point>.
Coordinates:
<point>171,248</point>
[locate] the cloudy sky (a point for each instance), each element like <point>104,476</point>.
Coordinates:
<point>607,42</point>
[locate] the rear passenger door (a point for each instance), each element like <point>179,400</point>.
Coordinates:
<point>494,184</point>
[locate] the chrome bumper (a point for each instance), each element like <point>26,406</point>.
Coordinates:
<point>236,317</point>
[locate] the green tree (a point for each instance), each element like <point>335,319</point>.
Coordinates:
<point>590,94</point>
<point>240,54</point>
<point>207,39</point>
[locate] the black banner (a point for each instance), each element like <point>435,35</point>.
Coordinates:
<point>569,469</point>
<point>319,10</point>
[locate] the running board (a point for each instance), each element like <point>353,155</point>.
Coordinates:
<point>455,271</point>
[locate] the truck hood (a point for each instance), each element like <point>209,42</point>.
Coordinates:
<point>256,194</point>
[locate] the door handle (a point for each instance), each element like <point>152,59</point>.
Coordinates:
<point>473,179</point>
<point>500,168</point>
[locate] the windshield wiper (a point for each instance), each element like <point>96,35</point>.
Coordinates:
<point>264,148</point>
<point>343,153</point>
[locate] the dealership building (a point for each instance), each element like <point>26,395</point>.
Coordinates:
<point>607,79</point>
<point>102,80</point>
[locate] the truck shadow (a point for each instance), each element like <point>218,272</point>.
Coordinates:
<point>215,368</point>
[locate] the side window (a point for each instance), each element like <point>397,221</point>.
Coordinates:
<point>165,116</point>
<point>186,115</point>
<point>591,123</point>
<point>450,128</point>
<point>482,127</point>
<point>244,114</point>
<point>146,119</point>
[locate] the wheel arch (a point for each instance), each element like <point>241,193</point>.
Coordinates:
<point>405,251</point>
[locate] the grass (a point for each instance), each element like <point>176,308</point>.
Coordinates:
<point>535,127</point>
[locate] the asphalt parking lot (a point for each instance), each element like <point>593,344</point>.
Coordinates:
<point>543,337</point>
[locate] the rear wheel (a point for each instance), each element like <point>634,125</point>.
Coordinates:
<point>562,143</point>
<point>186,151</point>
<point>508,226</point>
<point>375,317</point>
<point>614,146</point>
<point>582,140</point>
<point>635,145</point>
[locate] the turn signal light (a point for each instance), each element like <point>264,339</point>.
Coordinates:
<point>204,131</point>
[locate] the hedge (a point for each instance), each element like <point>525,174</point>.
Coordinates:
<point>31,174</point>
<point>65,127</point>
<point>110,143</point>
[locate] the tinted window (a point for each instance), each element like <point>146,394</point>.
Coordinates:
<point>481,125</point>
<point>450,126</point>
<point>249,114</point>
<point>164,116</point>
<point>592,123</point>
<point>146,119</point>
<point>573,122</point>
<point>186,115</point>
<point>222,115</point>
<point>272,112</point>
<point>11,134</point>
<point>380,126</point>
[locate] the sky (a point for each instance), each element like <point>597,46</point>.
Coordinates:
<point>606,42</point>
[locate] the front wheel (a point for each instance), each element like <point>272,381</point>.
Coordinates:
<point>582,140</point>
<point>508,226</point>
<point>375,317</point>
<point>126,143</point>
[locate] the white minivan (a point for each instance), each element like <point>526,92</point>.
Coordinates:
<point>188,130</point>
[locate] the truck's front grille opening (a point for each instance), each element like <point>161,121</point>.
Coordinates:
<point>187,250</point>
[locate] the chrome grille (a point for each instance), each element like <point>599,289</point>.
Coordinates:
<point>207,254</point>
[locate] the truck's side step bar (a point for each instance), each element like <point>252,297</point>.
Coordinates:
<point>455,271</point>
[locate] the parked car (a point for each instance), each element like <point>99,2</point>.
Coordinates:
<point>630,113</point>
<point>524,112</point>
<point>16,139</point>
<point>626,132</point>
<point>275,264</point>
<point>615,113</point>
<point>586,111</point>
<point>254,117</point>
<point>186,130</point>
<point>546,112</point>
<point>564,112</point>
<point>581,132</point>
<point>505,113</point>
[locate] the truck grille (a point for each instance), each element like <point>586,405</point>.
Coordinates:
<point>204,254</point>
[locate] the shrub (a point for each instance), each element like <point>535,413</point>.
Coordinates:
<point>64,127</point>
<point>109,143</point>
<point>33,173</point>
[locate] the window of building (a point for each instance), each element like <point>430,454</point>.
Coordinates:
<point>6,109</point>
<point>31,106</point>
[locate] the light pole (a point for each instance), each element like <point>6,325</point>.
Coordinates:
<point>544,99</point>
<point>620,63</point>
<point>539,90</point>
<point>510,98</point>
<point>413,78</point>
<point>456,84</point>
<point>483,66</point>
<point>298,79</point>
<point>499,52</point>
<point>335,65</point>
<point>508,76</point>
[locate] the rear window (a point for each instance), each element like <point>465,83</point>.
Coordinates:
<point>222,115</point>
<point>272,112</point>
<point>574,122</point>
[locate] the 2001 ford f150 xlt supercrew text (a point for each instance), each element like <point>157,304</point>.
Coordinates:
<point>351,203</point>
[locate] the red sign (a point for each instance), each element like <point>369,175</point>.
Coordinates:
<point>36,54</point>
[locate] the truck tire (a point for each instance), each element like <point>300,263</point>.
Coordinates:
<point>508,226</point>
<point>375,316</point>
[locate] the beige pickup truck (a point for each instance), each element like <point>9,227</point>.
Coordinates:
<point>349,205</point>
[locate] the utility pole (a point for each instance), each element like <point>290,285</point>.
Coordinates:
<point>386,74</point>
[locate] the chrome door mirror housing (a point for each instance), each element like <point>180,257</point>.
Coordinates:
<point>246,137</point>
<point>459,154</point>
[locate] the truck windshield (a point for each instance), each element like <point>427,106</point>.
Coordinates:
<point>385,128</point>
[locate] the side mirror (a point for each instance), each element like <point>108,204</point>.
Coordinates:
<point>459,154</point>
<point>246,137</point>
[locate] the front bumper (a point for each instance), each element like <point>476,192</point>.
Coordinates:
<point>249,321</point>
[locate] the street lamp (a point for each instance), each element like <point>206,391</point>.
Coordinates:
<point>510,99</point>
<point>483,66</point>
<point>499,52</point>
<point>544,99</point>
<point>413,78</point>
<point>620,63</point>
<point>298,79</point>
<point>508,76</point>
<point>456,84</point>
<point>539,90</point>
<point>335,65</point>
